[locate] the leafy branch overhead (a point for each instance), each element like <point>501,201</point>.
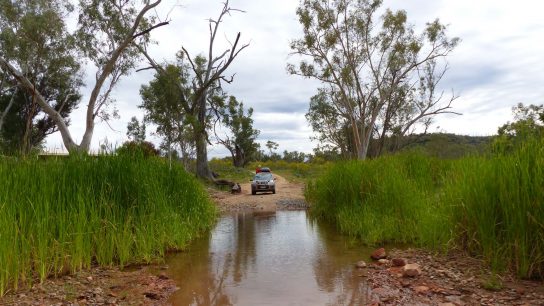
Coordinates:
<point>109,34</point>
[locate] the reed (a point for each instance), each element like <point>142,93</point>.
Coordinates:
<point>63,215</point>
<point>489,205</point>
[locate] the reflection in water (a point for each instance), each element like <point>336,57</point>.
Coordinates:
<point>269,259</point>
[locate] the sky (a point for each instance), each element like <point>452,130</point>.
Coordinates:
<point>498,64</point>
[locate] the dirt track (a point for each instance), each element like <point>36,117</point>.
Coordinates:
<point>285,191</point>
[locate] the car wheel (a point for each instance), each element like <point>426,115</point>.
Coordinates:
<point>274,191</point>
<point>253,192</point>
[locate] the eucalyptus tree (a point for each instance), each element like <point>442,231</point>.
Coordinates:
<point>241,139</point>
<point>364,61</point>
<point>200,95</point>
<point>33,37</point>
<point>161,104</point>
<point>109,34</point>
<point>328,124</point>
<point>272,146</point>
<point>136,130</point>
<point>528,124</point>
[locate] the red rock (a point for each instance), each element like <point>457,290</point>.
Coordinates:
<point>411,270</point>
<point>378,254</point>
<point>421,289</point>
<point>398,262</point>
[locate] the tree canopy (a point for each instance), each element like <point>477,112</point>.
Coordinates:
<point>33,37</point>
<point>375,70</point>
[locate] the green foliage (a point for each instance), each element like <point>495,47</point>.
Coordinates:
<point>379,74</point>
<point>291,170</point>
<point>440,145</point>
<point>33,36</point>
<point>137,149</point>
<point>136,130</point>
<point>225,169</point>
<point>529,123</point>
<point>103,27</point>
<point>491,206</point>
<point>241,144</point>
<point>389,199</point>
<point>272,146</point>
<point>492,283</point>
<point>63,215</point>
<point>500,207</point>
<point>164,105</point>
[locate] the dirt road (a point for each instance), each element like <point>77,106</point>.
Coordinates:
<point>287,194</point>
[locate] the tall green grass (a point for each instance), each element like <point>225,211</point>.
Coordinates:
<point>492,206</point>
<point>390,199</point>
<point>500,208</point>
<point>60,216</point>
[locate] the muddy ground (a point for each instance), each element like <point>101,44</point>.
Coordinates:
<point>455,279</point>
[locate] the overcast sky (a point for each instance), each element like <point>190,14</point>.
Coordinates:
<point>498,64</point>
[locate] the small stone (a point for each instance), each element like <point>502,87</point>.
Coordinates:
<point>446,304</point>
<point>90,278</point>
<point>97,291</point>
<point>378,254</point>
<point>163,276</point>
<point>411,270</point>
<point>383,261</point>
<point>398,262</point>
<point>421,289</point>
<point>360,264</point>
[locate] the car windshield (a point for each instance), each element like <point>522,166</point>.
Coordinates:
<point>263,176</point>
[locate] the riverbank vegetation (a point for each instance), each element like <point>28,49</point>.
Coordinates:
<point>491,205</point>
<point>64,215</point>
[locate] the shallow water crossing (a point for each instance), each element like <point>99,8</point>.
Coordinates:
<point>277,258</point>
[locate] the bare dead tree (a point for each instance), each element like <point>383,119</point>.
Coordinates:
<point>208,72</point>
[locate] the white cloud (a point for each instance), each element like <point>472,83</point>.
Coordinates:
<point>497,64</point>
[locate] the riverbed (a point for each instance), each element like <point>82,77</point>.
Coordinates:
<point>269,258</point>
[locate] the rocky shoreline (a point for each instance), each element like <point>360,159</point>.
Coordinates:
<point>138,285</point>
<point>444,280</point>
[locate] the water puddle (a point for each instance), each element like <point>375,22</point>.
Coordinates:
<point>279,258</point>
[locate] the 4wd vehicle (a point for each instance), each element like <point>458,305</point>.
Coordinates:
<point>263,182</point>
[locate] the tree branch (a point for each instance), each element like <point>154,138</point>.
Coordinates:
<point>150,29</point>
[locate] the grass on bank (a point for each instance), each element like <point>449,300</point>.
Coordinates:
<point>64,215</point>
<point>491,206</point>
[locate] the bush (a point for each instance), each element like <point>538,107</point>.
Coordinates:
<point>138,149</point>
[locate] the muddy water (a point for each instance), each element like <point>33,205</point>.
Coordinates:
<point>278,258</point>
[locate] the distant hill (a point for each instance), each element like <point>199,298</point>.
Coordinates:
<point>446,145</point>
<point>441,145</point>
